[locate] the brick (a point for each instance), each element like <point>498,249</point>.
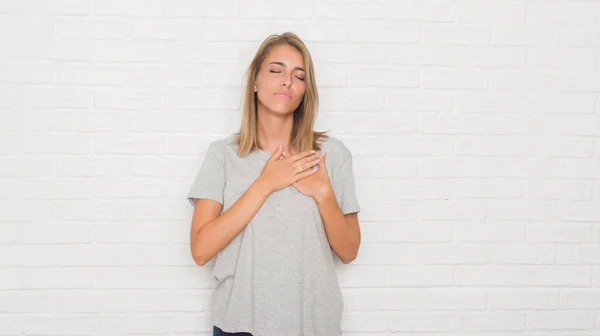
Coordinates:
<point>579,211</point>
<point>30,72</point>
<point>425,11</point>
<point>497,231</point>
<point>64,325</point>
<point>364,321</point>
<point>58,7</point>
<point>202,8</point>
<point>572,59</point>
<point>56,50</point>
<point>357,53</point>
<point>132,323</point>
<point>490,275</point>
<point>424,232</point>
<point>385,254</point>
<point>578,37</point>
<point>81,121</point>
<point>100,301</point>
<point>422,322</point>
<point>559,232</point>
<point>523,299</point>
<point>423,55</point>
<point>55,97</point>
<point>539,254</point>
<point>237,30</point>
<point>560,320</point>
<point>451,34</point>
<point>57,278</point>
<point>494,12</point>
<point>60,233</point>
<point>9,49</point>
<point>92,28</point>
<point>524,35</point>
<point>557,276</point>
<point>575,13</point>
<point>336,9</point>
<point>383,123</point>
<point>433,299</point>
<point>384,32</point>
<point>455,254</point>
<point>542,189</point>
<point>201,52</point>
<point>55,144</point>
<point>436,78</point>
<point>360,77</point>
<point>54,189</point>
<point>350,99</point>
<point>31,121</point>
<point>303,9</point>
<point>12,25</point>
<point>577,254</point>
<point>130,98</point>
<point>419,276</point>
<point>130,51</point>
<point>128,8</point>
<point>491,322</point>
<point>379,299</point>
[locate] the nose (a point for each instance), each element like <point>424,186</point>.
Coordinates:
<point>287,80</point>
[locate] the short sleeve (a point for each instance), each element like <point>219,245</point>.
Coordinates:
<point>345,179</point>
<point>210,180</point>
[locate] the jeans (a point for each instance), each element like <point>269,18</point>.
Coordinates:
<point>218,332</point>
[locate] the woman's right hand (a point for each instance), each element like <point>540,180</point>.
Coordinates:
<point>279,172</point>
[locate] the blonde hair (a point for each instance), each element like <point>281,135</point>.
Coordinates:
<point>303,135</point>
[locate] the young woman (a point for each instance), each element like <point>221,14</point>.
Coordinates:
<point>275,203</point>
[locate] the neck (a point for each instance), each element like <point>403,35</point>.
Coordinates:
<point>274,130</point>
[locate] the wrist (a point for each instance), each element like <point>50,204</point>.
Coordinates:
<point>262,186</point>
<point>324,196</point>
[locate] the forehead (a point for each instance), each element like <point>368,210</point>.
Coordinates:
<point>286,54</point>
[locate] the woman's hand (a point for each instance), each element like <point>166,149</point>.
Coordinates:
<point>316,185</point>
<point>282,171</point>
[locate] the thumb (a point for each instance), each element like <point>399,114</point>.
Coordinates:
<point>277,153</point>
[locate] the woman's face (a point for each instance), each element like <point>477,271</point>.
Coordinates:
<point>280,83</point>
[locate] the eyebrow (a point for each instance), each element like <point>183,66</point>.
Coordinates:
<point>281,63</point>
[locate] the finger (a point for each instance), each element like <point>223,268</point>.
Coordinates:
<point>322,160</point>
<point>276,155</point>
<point>305,160</point>
<point>308,165</point>
<point>301,155</point>
<point>304,174</point>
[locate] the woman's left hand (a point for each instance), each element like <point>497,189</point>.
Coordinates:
<point>317,185</point>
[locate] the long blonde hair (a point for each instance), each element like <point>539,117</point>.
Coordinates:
<point>303,135</point>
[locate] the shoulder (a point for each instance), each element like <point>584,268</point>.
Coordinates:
<point>336,149</point>
<point>222,144</point>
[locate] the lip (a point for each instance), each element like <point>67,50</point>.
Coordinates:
<point>284,94</point>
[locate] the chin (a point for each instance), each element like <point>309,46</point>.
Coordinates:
<point>282,110</point>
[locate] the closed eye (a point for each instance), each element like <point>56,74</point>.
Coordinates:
<point>278,71</point>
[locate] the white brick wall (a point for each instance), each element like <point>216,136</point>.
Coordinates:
<point>475,127</point>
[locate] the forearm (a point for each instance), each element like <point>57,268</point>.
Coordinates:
<point>343,237</point>
<point>216,234</point>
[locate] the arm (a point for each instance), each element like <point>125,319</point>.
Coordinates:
<point>209,233</point>
<point>343,231</point>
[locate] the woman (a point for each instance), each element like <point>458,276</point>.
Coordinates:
<point>275,203</point>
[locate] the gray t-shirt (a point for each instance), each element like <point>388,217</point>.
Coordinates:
<point>277,276</point>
